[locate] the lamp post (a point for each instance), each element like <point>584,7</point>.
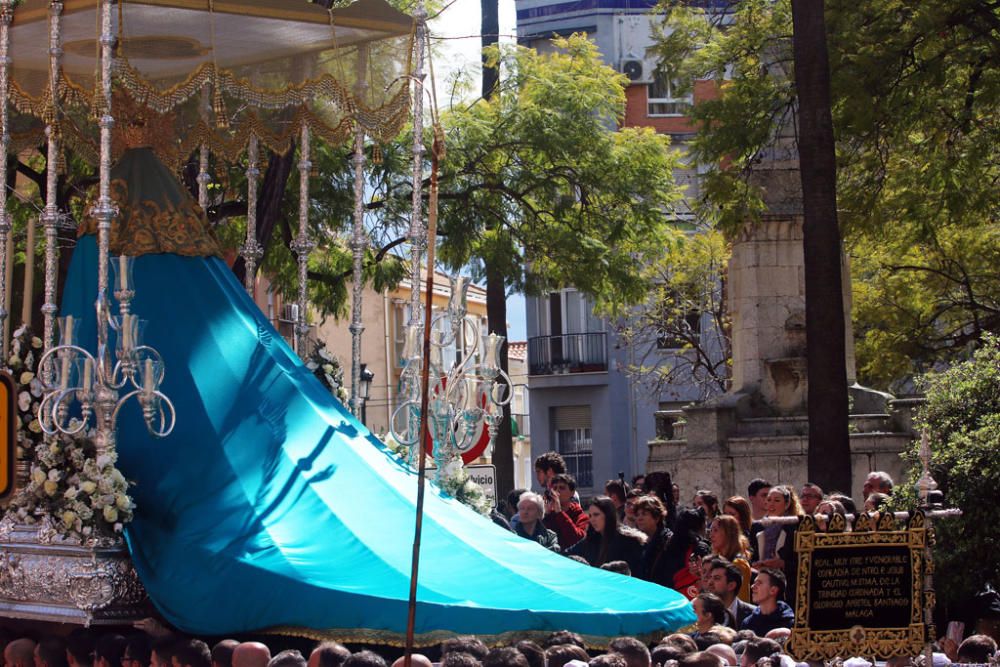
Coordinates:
<point>364,391</point>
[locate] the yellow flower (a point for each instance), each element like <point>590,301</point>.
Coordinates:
<point>35,426</point>
<point>38,476</point>
<point>69,518</point>
<point>36,342</point>
<point>121,501</point>
<point>26,377</point>
<point>110,514</point>
<point>50,488</point>
<point>88,487</point>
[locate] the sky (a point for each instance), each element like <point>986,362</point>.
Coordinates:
<point>455,34</point>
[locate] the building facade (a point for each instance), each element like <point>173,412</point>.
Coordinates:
<point>583,403</point>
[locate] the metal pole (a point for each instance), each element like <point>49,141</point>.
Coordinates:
<point>418,239</point>
<point>359,242</point>
<point>303,245</point>
<point>50,215</point>
<point>251,250</point>
<point>6,16</point>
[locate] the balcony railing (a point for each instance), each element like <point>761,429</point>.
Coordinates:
<point>568,353</point>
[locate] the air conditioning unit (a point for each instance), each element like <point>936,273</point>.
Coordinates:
<point>290,313</point>
<point>636,70</point>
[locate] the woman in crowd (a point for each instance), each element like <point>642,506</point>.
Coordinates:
<point>708,502</point>
<point>650,516</point>
<point>729,542</point>
<point>606,540</point>
<point>776,542</point>
<point>688,540</point>
<point>710,611</point>
<point>827,508</point>
<point>738,507</point>
<point>876,502</point>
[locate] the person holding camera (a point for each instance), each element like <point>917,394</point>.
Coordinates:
<point>563,514</point>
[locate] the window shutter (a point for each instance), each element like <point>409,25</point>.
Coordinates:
<point>569,417</point>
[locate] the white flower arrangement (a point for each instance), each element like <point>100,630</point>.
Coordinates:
<point>454,480</point>
<point>327,369</point>
<point>83,495</point>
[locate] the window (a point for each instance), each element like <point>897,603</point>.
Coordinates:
<point>574,442</point>
<point>690,325</point>
<point>661,98</point>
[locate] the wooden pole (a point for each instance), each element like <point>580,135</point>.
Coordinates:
<point>424,398</point>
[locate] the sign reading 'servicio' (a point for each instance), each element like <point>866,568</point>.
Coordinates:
<point>486,477</point>
<point>860,592</point>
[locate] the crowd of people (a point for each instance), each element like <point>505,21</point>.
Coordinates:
<point>737,572</point>
<point>708,646</point>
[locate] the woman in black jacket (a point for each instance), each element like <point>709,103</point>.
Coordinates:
<point>606,540</point>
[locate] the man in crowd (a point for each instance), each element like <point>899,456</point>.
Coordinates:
<point>771,612</point>
<point>19,653</point>
<point>328,654</point>
<point>51,652</point>
<point>757,492</point>
<point>617,491</point>
<point>810,497</point>
<point>877,482</point>
<point>547,466</point>
<point>563,515</point>
<point>725,580</point>
<point>530,510</point>
<point>251,654</point>
<point>758,648</point>
<point>636,653</point>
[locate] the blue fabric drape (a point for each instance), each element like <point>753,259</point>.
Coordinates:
<point>271,506</point>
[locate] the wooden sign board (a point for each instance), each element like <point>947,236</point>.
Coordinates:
<point>8,433</point>
<point>860,593</point>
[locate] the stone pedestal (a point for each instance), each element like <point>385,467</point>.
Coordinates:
<point>44,578</point>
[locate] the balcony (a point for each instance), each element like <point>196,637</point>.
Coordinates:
<point>568,353</point>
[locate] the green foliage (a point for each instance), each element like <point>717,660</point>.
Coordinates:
<point>915,93</point>
<point>538,176</point>
<point>687,291</point>
<point>962,420</point>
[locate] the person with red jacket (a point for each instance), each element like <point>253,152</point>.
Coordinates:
<point>563,515</point>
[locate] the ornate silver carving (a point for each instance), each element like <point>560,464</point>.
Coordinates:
<point>6,16</point>
<point>50,215</point>
<point>251,250</point>
<point>418,233</point>
<point>303,245</point>
<point>45,578</point>
<point>359,242</point>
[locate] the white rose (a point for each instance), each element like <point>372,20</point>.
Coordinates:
<point>88,487</point>
<point>103,460</point>
<point>121,501</point>
<point>23,401</point>
<point>110,514</point>
<point>14,361</point>
<point>38,476</point>
<point>312,365</point>
<point>54,475</point>
<point>118,527</point>
<point>71,493</point>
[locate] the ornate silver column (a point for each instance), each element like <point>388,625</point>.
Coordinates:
<point>50,214</point>
<point>251,250</point>
<point>6,16</point>
<point>203,176</point>
<point>105,213</point>
<point>359,242</point>
<point>302,245</point>
<point>418,235</point>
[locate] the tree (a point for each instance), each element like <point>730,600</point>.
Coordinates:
<point>540,191</point>
<point>685,312</point>
<point>962,419</point>
<point>915,118</point>
<point>829,447</point>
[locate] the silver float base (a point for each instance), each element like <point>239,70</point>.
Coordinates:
<point>44,578</point>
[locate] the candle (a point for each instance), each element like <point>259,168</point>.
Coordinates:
<point>458,289</point>
<point>493,345</point>
<point>88,370</point>
<point>411,348</point>
<point>64,375</point>
<point>123,332</point>
<point>147,380</point>
<point>67,330</point>
<point>123,272</point>
<point>471,394</point>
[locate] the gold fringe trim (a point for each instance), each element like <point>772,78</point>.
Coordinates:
<point>397,639</point>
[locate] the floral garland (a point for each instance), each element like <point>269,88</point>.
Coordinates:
<point>83,495</point>
<point>327,370</point>
<point>454,480</point>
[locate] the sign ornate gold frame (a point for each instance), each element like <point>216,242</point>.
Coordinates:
<point>860,640</point>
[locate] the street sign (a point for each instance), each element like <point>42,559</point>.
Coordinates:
<point>486,477</point>
<point>8,434</point>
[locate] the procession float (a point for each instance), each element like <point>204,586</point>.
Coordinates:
<point>174,454</point>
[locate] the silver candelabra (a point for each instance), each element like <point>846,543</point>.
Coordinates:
<point>81,387</point>
<point>462,397</point>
